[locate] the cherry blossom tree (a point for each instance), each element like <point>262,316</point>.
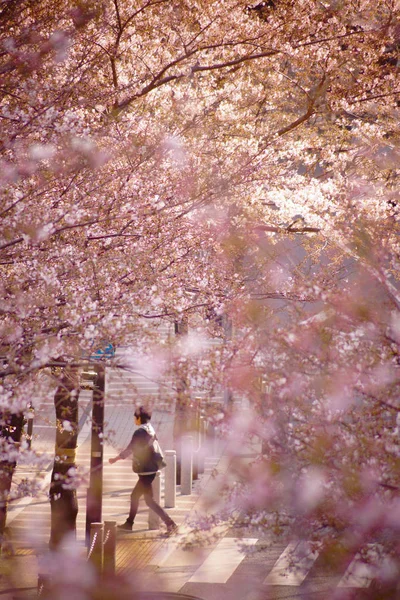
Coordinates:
<point>176,160</point>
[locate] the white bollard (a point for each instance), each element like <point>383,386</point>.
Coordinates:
<point>187,465</point>
<point>154,520</point>
<point>170,479</point>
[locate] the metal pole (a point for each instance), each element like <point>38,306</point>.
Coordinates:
<point>195,466</point>
<point>202,449</point>
<point>29,428</point>
<point>187,465</point>
<point>182,412</point>
<point>197,439</point>
<point>178,460</point>
<point>212,439</point>
<point>95,491</point>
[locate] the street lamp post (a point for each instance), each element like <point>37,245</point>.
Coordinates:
<point>95,490</point>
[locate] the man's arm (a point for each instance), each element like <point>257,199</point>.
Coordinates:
<point>125,453</point>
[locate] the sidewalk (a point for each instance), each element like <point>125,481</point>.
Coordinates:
<point>139,551</point>
<point>146,550</point>
<point>142,549</point>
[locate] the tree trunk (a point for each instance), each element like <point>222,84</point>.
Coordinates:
<point>11,428</point>
<point>63,498</point>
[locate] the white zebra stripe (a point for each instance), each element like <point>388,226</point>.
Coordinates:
<point>222,562</point>
<point>293,565</point>
<point>359,574</point>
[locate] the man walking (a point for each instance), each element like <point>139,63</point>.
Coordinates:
<point>141,449</point>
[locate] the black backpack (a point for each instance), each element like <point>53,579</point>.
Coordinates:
<point>150,459</point>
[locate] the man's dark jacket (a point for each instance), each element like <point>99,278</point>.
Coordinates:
<point>141,448</point>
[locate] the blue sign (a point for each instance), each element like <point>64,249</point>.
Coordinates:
<point>105,352</point>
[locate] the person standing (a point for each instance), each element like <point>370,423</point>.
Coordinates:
<point>140,447</point>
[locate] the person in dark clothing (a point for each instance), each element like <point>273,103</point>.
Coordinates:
<point>140,447</point>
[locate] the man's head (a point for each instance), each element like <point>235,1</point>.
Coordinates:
<point>142,415</point>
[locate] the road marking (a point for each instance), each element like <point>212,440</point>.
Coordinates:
<point>293,565</point>
<point>359,574</point>
<point>222,562</point>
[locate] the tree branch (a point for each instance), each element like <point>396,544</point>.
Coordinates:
<point>159,80</point>
<point>8,244</point>
<point>298,121</point>
<point>287,230</point>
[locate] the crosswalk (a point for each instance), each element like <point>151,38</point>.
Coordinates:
<point>231,560</point>
<point>264,565</point>
<point>222,562</point>
<point>225,563</point>
<point>293,565</point>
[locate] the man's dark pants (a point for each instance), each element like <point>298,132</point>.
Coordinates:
<point>144,488</point>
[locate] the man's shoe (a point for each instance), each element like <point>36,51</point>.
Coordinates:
<point>172,528</point>
<point>125,526</point>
